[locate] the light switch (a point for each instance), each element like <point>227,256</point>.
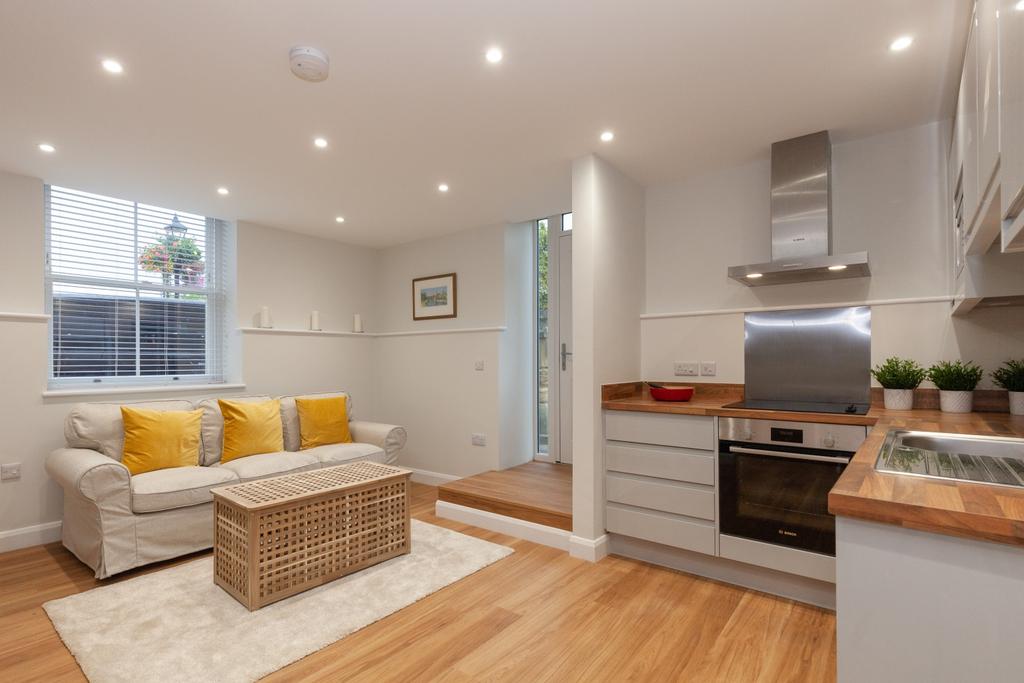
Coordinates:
<point>708,368</point>
<point>479,365</point>
<point>9,471</point>
<point>479,439</point>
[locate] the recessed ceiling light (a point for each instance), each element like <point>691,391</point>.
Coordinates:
<point>837,267</point>
<point>320,142</point>
<point>112,66</point>
<point>222,191</point>
<point>607,136</point>
<point>901,43</point>
<point>443,187</point>
<point>47,147</point>
<point>339,219</point>
<point>494,55</point>
<point>754,276</point>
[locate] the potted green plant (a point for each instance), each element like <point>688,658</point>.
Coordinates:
<point>1010,376</point>
<point>956,381</point>
<point>899,377</point>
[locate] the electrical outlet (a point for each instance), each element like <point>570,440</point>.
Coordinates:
<point>479,439</point>
<point>688,369</point>
<point>708,368</point>
<point>10,470</point>
<point>479,365</point>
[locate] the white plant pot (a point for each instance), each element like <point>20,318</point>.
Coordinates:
<point>1017,403</point>
<point>956,401</point>
<point>899,399</point>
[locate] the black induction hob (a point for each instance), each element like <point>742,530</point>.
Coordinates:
<point>803,407</point>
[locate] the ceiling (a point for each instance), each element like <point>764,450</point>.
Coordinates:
<point>207,99</point>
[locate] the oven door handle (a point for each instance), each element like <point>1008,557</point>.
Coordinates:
<point>787,454</point>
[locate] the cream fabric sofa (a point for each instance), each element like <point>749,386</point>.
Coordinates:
<point>114,521</point>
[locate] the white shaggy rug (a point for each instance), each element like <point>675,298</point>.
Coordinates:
<point>176,625</point>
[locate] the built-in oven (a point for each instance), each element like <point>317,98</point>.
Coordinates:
<point>774,478</point>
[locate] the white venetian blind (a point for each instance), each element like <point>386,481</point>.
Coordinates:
<point>135,292</point>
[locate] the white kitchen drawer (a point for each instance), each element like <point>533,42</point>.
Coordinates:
<point>661,495</point>
<point>681,464</point>
<point>683,431</point>
<point>661,527</point>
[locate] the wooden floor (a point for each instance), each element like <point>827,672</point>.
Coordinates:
<point>537,492</point>
<point>538,615</point>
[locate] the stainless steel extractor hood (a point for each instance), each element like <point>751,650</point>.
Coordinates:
<point>801,201</point>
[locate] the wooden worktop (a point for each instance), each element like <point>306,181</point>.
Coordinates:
<point>980,511</point>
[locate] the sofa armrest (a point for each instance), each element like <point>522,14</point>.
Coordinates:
<point>89,474</point>
<point>389,437</point>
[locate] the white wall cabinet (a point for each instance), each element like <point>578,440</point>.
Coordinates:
<point>1011,58</point>
<point>987,56</point>
<point>965,137</point>
<point>986,158</point>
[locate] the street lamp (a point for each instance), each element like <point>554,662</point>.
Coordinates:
<point>175,228</point>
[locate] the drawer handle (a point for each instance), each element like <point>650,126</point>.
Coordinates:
<point>1016,206</point>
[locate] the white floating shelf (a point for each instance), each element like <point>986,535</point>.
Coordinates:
<point>298,332</point>
<point>404,333</point>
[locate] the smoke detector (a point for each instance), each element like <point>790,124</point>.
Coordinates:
<point>309,63</point>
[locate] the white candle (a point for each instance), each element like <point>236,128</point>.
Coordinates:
<point>265,316</point>
<point>357,323</point>
<point>314,320</point>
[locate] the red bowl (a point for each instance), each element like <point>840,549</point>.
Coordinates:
<point>672,393</point>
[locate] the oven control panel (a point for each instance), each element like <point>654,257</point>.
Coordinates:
<point>783,433</point>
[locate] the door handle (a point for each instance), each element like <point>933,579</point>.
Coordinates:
<point>838,459</point>
<point>1016,206</point>
<point>564,355</point>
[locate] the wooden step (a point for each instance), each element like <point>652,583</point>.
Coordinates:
<point>536,492</point>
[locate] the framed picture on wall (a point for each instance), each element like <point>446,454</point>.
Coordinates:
<point>434,297</point>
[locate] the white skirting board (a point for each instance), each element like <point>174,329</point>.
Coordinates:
<point>428,477</point>
<point>25,537</point>
<point>591,550</point>
<point>791,586</point>
<point>520,528</point>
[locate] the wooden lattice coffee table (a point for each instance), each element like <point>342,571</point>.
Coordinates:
<point>277,537</point>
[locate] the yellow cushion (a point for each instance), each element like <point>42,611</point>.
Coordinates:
<point>323,421</point>
<point>157,439</point>
<point>251,428</point>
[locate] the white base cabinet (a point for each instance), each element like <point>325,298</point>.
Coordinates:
<point>918,606</point>
<point>660,479</point>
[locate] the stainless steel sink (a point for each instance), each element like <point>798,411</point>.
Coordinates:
<point>985,459</point>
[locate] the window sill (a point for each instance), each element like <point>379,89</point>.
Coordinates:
<point>161,389</point>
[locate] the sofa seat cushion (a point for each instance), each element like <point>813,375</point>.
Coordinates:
<point>177,487</point>
<point>271,464</point>
<point>341,453</point>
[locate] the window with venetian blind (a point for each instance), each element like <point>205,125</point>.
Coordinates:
<point>135,292</point>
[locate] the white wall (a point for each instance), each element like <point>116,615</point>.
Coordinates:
<point>889,199</point>
<point>429,383</point>
<point>21,221</point>
<point>516,349</point>
<point>295,274</point>
<point>608,297</point>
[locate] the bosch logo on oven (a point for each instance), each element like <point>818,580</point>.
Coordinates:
<point>787,532</point>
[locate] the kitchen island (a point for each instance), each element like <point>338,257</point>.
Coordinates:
<point>929,572</point>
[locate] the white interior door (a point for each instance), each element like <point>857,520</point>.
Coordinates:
<point>554,348</point>
<point>565,346</point>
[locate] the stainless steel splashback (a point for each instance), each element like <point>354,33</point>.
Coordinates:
<point>809,356</point>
